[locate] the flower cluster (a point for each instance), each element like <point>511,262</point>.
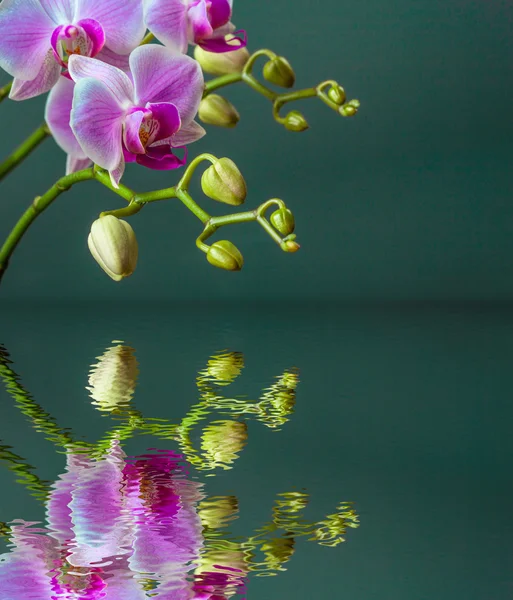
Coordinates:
<point>113,100</point>
<point>115,97</point>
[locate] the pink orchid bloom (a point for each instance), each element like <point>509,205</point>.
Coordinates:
<point>116,528</point>
<point>116,120</point>
<point>57,116</point>
<point>39,35</point>
<point>177,23</point>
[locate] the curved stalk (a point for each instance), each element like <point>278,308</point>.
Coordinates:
<point>24,149</point>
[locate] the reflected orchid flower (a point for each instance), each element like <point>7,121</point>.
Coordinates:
<point>116,120</point>
<point>177,23</point>
<point>117,527</point>
<point>38,36</point>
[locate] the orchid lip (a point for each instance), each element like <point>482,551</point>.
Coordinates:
<point>86,38</point>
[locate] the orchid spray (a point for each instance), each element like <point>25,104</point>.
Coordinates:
<point>122,89</point>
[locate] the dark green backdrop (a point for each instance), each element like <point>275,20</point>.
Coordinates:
<point>411,199</point>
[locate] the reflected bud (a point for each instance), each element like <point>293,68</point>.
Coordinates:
<point>222,441</point>
<point>218,511</point>
<point>277,551</point>
<point>279,72</point>
<point>283,221</point>
<point>222,63</point>
<point>113,378</point>
<point>225,255</point>
<point>223,182</point>
<point>223,369</point>
<point>295,121</point>
<point>216,110</point>
<point>113,244</point>
<point>337,94</point>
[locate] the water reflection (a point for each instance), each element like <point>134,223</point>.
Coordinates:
<point>138,527</point>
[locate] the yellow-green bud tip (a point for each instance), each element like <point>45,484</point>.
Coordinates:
<point>223,63</point>
<point>337,94</point>
<point>225,255</point>
<point>223,182</point>
<point>113,244</point>
<point>216,110</point>
<point>278,71</point>
<point>294,121</point>
<point>290,246</point>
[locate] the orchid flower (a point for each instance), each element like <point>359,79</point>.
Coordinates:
<point>177,23</point>
<point>57,115</point>
<point>39,35</point>
<point>117,121</point>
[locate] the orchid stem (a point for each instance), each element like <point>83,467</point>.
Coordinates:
<point>21,153</point>
<point>4,90</point>
<point>40,203</point>
<point>279,99</point>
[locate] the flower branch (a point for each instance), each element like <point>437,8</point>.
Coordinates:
<point>24,149</point>
<point>276,70</point>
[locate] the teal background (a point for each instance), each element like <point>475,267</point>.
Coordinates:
<point>410,199</point>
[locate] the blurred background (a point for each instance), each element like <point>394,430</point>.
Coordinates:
<point>411,199</point>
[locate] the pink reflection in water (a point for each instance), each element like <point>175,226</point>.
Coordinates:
<point>118,528</point>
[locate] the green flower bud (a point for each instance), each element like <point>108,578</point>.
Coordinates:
<point>225,255</point>
<point>279,72</point>
<point>216,110</point>
<point>222,63</point>
<point>290,246</point>
<point>113,378</point>
<point>223,182</point>
<point>295,121</point>
<point>113,244</point>
<point>283,221</point>
<point>337,94</point>
<point>349,109</point>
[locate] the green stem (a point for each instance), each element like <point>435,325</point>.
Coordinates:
<point>196,210</point>
<point>40,203</point>
<point>30,144</point>
<point>219,82</point>
<point>4,91</point>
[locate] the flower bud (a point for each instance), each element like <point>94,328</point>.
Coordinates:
<point>283,221</point>
<point>337,94</point>
<point>349,109</point>
<point>290,246</point>
<point>222,63</point>
<point>113,244</point>
<point>216,110</point>
<point>279,72</point>
<point>113,378</point>
<point>295,121</point>
<point>222,441</point>
<point>225,255</point>
<point>223,182</point>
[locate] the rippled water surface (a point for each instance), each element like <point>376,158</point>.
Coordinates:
<point>192,452</point>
